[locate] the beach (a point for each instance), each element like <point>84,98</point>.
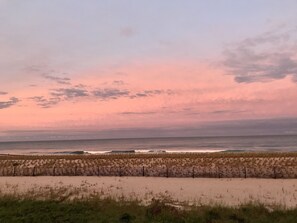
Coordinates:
<point>227,192</point>
<point>228,179</point>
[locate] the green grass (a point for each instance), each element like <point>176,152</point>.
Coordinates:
<point>13,209</point>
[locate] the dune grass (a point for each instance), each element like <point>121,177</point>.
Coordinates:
<point>238,165</point>
<point>66,204</point>
<point>15,209</point>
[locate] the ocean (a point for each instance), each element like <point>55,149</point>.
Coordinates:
<point>274,143</point>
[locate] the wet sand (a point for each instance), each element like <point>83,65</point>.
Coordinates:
<point>202,191</point>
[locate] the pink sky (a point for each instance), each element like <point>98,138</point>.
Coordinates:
<point>170,94</point>
<point>100,67</point>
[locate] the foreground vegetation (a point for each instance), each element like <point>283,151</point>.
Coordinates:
<point>13,209</point>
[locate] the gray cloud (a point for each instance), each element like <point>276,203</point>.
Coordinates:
<point>137,113</point>
<point>228,111</point>
<point>68,93</point>
<point>47,74</point>
<point>80,86</point>
<point>194,112</point>
<point>118,82</point>
<point>139,95</point>
<point>58,95</point>
<point>44,102</point>
<point>3,93</point>
<point>6,104</point>
<point>110,93</point>
<point>114,93</point>
<point>59,80</point>
<point>264,58</point>
<point>150,93</point>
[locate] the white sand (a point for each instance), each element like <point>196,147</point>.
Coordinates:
<point>201,191</point>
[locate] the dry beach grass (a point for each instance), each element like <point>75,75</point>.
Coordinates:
<point>196,165</point>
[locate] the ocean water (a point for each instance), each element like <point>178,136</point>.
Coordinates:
<point>193,144</point>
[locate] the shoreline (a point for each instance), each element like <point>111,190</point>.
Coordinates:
<point>141,152</point>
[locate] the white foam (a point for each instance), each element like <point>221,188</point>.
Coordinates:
<point>97,152</point>
<point>147,151</point>
<point>195,151</point>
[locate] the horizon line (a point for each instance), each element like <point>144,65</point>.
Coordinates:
<point>129,138</point>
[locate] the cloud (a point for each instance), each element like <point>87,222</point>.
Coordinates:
<point>69,93</point>
<point>118,82</point>
<point>6,104</point>
<point>228,111</point>
<point>59,80</point>
<point>79,91</point>
<point>46,73</point>
<point>57,95</point>
<point>264,58</point>
<point>115,93</point>
<point>44,102</point>
<point>3,93</point>
<point>110,93</point>
<point>150,93</point>
<point>137,113</point>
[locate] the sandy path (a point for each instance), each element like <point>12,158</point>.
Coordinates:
<point>201,190</point>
